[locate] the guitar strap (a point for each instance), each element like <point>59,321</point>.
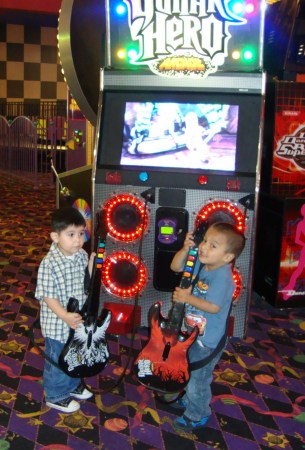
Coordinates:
<point>221,344</point>
<point>197,276</point>
<point>87,281</point>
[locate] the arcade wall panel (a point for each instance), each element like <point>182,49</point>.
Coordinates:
<point>158,280</point>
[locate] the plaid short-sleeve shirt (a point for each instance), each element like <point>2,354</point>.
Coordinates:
<point>59,277</point>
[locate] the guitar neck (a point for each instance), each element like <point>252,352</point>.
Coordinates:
<point>189,266</point>
<point>95,284</point>
<point>177,311</point>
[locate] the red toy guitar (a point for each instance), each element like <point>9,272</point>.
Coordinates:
<point>86,352</point>
<point>162,365</point>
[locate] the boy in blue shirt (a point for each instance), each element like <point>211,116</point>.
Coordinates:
<point>207,304</point>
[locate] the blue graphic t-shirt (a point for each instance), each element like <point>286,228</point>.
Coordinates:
<point>216,286</point>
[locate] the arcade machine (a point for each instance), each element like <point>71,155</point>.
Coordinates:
<point>178,141</point>
<point>279,275</point>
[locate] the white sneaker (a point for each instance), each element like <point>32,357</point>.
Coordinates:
<point>68,405</point>
<point>81,392</point>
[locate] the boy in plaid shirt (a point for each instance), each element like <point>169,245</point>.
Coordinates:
<point>61,275</point>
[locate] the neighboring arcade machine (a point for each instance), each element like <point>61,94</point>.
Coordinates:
<point>178,140</point>
<point>279,274</point>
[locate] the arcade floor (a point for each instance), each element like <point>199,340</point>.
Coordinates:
<point>259,383</point>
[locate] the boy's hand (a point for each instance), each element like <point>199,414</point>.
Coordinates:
<point>178,260</point>
<point>188,241</point>
<point>182,295</point>
<point>73,319</point>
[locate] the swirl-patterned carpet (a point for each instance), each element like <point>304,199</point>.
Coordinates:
<point>259,383</point>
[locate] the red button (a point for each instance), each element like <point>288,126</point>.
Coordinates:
<point>202,179</point>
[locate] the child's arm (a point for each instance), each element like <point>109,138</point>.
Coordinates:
<point>178,261</point>
<point>72,319</point>
<point>185,296</point>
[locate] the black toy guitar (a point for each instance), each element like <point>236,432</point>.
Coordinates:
<point>162,365</point>
<point>86,353</point>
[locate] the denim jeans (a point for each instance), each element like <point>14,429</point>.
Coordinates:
<point>198,394</point>
<point>56,383</point>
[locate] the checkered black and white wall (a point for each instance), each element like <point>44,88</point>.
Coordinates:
<point>29,65</point>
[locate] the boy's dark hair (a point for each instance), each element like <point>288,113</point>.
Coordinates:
<point>62,218</point>
<point>235,238</point>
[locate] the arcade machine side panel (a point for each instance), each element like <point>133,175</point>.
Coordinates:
<point>269,233</point>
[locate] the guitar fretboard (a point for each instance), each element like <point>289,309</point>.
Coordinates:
<point>175,316</point>
<point>100,255</point>
<point>189,267</point>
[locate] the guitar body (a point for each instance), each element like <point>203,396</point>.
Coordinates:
<point>86,353</point>
<point>162,365</point>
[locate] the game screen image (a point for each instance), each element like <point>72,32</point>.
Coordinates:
<point>180,135</point>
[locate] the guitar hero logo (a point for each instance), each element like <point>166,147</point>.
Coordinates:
<point>293,147</point>
<point>196,32</point>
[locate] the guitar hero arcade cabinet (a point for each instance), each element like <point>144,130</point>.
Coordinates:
<point>178,140</point>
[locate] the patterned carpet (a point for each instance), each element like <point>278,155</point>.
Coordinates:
<point>259,383</point>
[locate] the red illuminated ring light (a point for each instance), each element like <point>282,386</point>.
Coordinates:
<point>126,217</point>
<point>122,274</point>
<point>238,283</point>
<point>221,206</point>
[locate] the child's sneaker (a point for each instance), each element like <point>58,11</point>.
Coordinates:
<point>185,424</point>
<point>67,405</point>
<point>179,404</point>
<point>81,392</point>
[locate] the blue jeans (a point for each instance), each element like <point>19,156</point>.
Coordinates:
<point>56,383</point>
<point>198,394</point>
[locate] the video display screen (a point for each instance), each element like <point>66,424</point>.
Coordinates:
<point>177,132</point>
<point>179,135</point>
